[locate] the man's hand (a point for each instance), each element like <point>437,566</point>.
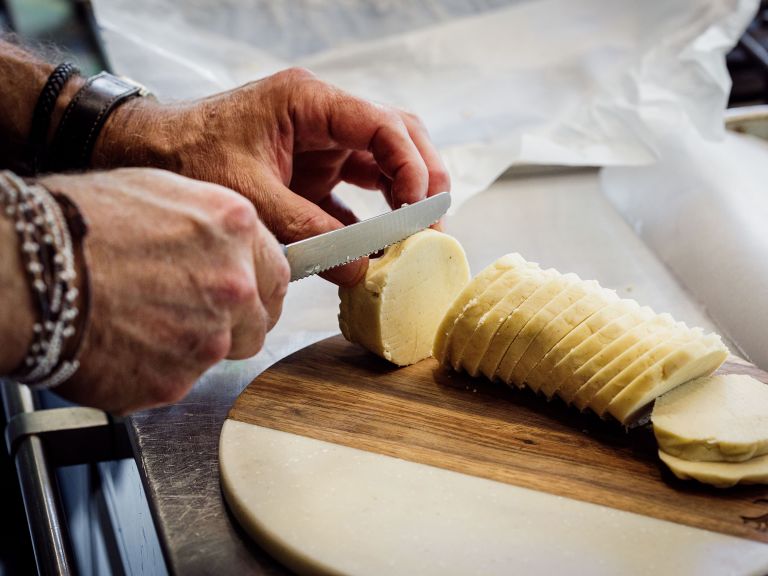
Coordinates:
<point>183,274</point>
<point>284,143</point>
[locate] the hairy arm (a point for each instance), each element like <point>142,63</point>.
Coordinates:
<point>22,77</point>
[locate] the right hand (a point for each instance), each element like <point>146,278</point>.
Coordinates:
<point>183,274</point>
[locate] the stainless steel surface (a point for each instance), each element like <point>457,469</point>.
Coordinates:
<point>559,220</point>
<point>38,488</point>
<point>319,253</point>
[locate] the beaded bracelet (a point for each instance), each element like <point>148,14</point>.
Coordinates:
<point>49,230</point>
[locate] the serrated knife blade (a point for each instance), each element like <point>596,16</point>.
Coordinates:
<point>324,251</point>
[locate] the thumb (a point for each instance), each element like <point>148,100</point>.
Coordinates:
<point>292,218</point>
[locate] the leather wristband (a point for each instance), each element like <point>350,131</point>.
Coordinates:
<point>41,118</point>
<point>83,119</point>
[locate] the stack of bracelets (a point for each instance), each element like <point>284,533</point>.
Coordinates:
<point>50,229</point>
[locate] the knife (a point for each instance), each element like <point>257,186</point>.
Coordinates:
<point>324,251</point>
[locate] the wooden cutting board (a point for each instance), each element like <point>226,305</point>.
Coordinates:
<point>337,392</point>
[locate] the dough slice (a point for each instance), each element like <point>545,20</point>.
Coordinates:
<point>714,418</point>
<point>585,382</point>
<point>514,322</point>
<point>395,311</point>
<point>640,358</point>
<point>594,299</point>
<point>605,320</point>
<point>489,324</point>
<point>479,305</point>
<point>720,474</point>
<point>477,285</point>
<point>693,360</point>
<point>509,325</point>
<point>574,290</point>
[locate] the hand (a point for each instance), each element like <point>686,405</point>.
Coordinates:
<point>284,143</point>
<point>183,274</point>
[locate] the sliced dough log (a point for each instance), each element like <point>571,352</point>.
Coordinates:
<point>563,323</point>
<point>478,306</point>
<point>720,474</point>
<point>698,358</point>
<point>714,418</point>
<point>486,329</point>
<point>478,284</point>
<point>604,320</point>
<point>572,292</point>
<point>641,358</point>
<point>395,311</point>
<point>511,326</point>
<point>586,360</point>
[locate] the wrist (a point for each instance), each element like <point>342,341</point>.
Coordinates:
<point>135,135</point>
<point>16,309</point>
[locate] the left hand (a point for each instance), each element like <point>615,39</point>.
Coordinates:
<point>283,142</point>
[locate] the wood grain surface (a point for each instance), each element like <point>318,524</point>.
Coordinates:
<point>338,392</point>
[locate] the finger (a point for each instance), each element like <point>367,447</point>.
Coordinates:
<point>336,207</point>
<point>360,125</point>
<point>316,173</point>
<point>272,274</point>
<point>260,314</point>
<point>294,218</point>
<point>439,179</point>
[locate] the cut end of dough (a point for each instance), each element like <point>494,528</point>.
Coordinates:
<point>395,311</point>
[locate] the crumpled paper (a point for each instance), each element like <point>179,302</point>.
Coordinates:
<point>498,83</point>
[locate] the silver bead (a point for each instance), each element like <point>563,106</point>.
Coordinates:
<point>37,328</point>
<point>49,326</point>
<point>39,285</point>
<point>68,332</point>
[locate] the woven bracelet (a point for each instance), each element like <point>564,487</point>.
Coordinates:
<point>41,118</point>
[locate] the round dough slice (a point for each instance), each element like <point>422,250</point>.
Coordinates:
<point>476,286</point>
<point>585,382</point>
<point>720,474</point>
<point>568,375</point>
<point>395,311</point>
<point>560,326</point>
<point>643,361</point>
<point>515,321</point>
<point>698,358</point>
<point>602,321</point>
<point>479,305</point>
<point>720,418</point>
<point>514,354</point>
<point>489,324</point>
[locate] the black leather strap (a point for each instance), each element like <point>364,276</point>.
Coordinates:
<point>84,118</point>
<point>41,118</point>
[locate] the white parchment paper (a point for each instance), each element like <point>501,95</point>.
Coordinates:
<point>498,83</point>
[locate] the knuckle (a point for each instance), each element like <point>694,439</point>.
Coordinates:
<point>234,289</point>
<point>213,348</point>
<point>238,216</point>
<point>295,74</point>
<point>306,223</point>
<point>439,179</point>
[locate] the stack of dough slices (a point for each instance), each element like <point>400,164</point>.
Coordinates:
<point>715,430</point>
<point>564,336</point>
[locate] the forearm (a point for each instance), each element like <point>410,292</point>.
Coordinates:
<point>16,316</point>
<point>22,77</point>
